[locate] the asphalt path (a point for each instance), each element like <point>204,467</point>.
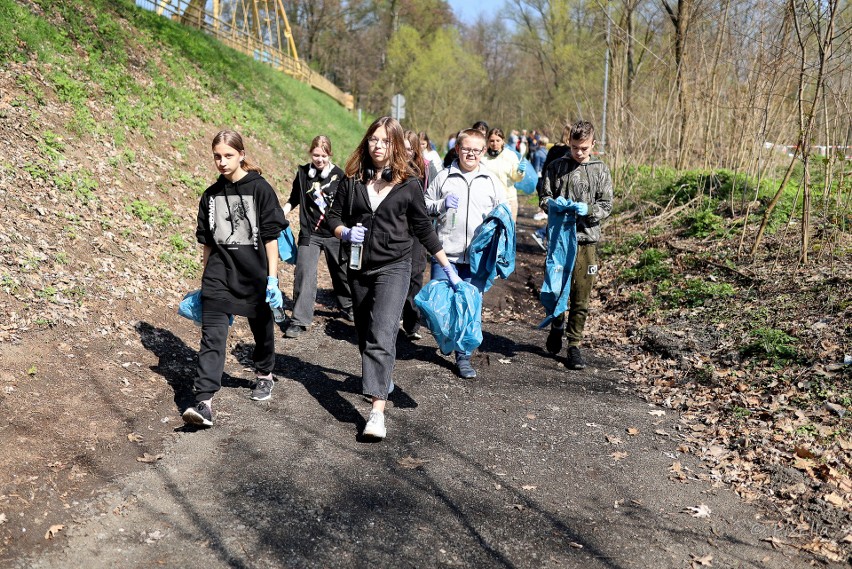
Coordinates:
<point>528,465</point>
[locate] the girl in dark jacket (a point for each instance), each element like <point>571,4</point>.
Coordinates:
<point>380,209</point>
<point>239,220</point>
<point>314,189</point>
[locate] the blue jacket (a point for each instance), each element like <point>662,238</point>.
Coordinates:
<point>492,251</point>
<point>561,254</point>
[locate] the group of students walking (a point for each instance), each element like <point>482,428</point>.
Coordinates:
<point>393,208</point>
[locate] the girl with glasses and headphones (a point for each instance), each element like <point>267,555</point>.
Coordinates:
<point>315,189</point>
<point>380,209</point>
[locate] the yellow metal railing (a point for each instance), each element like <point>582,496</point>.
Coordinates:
<point>258,28</point>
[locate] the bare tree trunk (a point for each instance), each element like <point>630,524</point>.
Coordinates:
<point>681,20</point>
<point>806,119</point>
<point>194,14</point>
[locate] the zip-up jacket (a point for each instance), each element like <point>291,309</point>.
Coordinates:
<point>392,227</point>
<point>304,193</point>
<point>505,167</point>
<point>236,220</point>
<point>479,192</point>
<point>589,182</point>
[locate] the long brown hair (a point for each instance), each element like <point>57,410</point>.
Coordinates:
<point>360,159</point>
<point>235,140</point>
<point>417,161</point>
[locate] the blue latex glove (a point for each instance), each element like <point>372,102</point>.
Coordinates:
<point>452,275</point>
<point>451,201</point>
<point>273,293</point>
<point>354,234</point>
<point>581,208</point>
<point>522,165</point>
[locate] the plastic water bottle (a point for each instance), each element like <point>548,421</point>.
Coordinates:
<point>278,314</point>
<point>355,254</point>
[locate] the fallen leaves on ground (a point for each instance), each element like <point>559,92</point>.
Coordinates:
<point>53,530</point>
<point>699,511</point>
<point>148,458</point>
<point>411,463</point>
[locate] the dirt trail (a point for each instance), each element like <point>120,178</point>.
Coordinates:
<point>529,465</point>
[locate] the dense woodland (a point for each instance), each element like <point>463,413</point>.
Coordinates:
<point>760,88</point>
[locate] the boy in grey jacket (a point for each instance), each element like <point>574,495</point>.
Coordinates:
<point>461,196</point>
<point>587,182</point>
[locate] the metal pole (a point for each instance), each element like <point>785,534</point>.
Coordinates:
<point>606,82</point>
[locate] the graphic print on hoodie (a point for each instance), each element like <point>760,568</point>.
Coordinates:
<point>232,219</point>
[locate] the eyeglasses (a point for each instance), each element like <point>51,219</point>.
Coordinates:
<point>373,141</point>
<point>474,151</point>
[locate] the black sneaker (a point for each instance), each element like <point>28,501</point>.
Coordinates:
<point>201,415</point>
<point>294,331</point>
<point>554,340</point>
<point>575,358</point>
<point>262,389</point>
<point>348,314</point>
<point>413,336</point>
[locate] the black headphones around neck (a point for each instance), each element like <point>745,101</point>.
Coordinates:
<point>387,173</point>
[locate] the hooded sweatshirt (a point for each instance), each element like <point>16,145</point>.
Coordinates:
<point>589,182</point>
<point>314,194</point>
<point>236,219</point>
<point>479,192</point>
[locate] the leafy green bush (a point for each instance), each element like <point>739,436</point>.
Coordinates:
<point>649,267</point>
<point>693,292</point>
<point>771,343</point>
<point>154,214</point>
<point>703,223</point>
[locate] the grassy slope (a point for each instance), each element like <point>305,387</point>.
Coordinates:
<point>116,107</point>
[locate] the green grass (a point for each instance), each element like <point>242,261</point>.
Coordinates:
<point>152,214</point>
<point>772,344</point>
<point>93,55</point>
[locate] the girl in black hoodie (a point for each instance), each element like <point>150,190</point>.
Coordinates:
<point>314,190</point>
<point>380,206</point>
<point>239,220</point>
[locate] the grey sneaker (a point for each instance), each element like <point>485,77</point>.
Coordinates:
<point>539,237</point>
<point>375,428</point>
<point>465,370</point>
<point>201,414</point>
<point>294,331</point>
<point>262,389</point>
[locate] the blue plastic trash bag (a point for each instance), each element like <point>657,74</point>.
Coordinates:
<point>190,307</point>
<point>561,255</point>
<point>287,249</point>
<point>528,184</point>
<point>492,250</point>
<point>452,317</point>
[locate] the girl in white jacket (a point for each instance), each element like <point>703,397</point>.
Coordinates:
<point>506,167</point>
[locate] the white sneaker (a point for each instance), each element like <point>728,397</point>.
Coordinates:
<point>375,426</point>
<point>540,216</point>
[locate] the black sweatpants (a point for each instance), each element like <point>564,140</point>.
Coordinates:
<point>214,341</point>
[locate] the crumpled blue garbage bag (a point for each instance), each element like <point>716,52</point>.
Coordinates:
<point>454,318</point>
<point>287,248</point>
<point>492,250</point>
<point>561,255</point>
<point>529,181</point>
<point>190,307</point>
